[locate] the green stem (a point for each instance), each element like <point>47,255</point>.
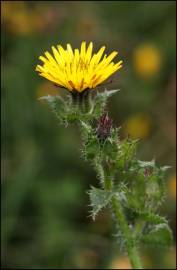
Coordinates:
<point>129,241</point>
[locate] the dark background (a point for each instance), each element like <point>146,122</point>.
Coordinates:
<point>45,211</point>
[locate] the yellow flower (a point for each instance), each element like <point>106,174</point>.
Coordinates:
<point>77,70</point>
<point>137,126</point>
<point>146,60</point>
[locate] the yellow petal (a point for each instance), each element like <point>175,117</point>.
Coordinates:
<point>70,51</point>
<point>83,49</point>
<point>43,59</point>
<point>108,59</point>
<point>57,55</point>
<point>40,69</point>
<point>50,58</point>
<point>89,52</point>
<point>62,53</point>
<point>99,55</point>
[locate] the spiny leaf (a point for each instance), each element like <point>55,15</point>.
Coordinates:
<point>99,169</point>
<point>103,96</point>
<point>57,105</point>
<point>109,93</point>
<point>86,129</point>
<point>52,99</point>
<point>160,234</point>
<point>165,168</point>
<point>99,199</point>
<point>152,218</point>
<point>99,101</point>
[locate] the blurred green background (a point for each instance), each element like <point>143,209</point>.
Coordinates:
<point>45,211</point>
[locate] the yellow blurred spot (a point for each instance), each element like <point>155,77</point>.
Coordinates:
<point>121,262</point>
<point>172,186</point>
<point>9,7</point>
<point>17,18</point>
<point>47,88</point>
<point>20,19</point>
<point>137,127</point>
<point>21,23</point>
<point>147,60</point>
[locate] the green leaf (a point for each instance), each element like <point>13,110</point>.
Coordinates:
<point>110,149</point>
<point>53,101</point>
<point>99,169</point>
<point>127,150</point>
<point>152,218</point>
<point>91,149</point>
<point>108,93</point>
<point>99,199</point>
<point>157,230</point>
<point>86,130</point>
<point>160,234</point>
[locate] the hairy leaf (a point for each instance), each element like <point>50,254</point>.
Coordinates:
<point>159,234</point>
<point>99,101</point>
<point>58,106</point>
<point>152,218</point>
<point>99,199</point>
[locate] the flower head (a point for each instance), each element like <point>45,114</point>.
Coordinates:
<point>77,70</point>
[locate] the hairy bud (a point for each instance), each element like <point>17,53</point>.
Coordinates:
<point>104,126</point>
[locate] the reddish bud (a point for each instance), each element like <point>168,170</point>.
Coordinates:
<point>104,126</point>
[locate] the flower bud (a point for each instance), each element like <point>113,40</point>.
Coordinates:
<point>104,126</point>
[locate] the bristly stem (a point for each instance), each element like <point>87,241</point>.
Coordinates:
<point>129,241</point>
<point>104,172</point>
